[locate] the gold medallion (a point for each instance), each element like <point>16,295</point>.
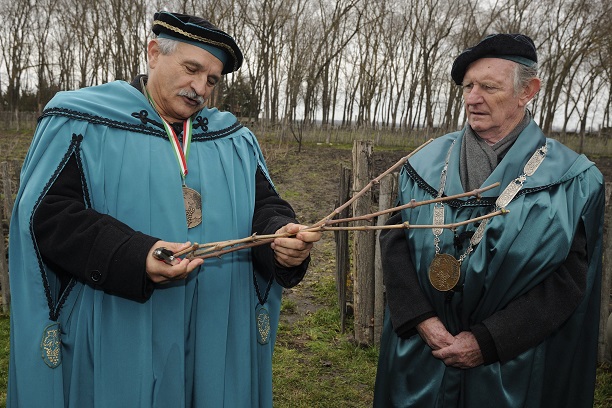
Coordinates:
<point>444,272</point>
<point>193,207</point>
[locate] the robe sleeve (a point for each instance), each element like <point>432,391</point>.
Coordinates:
<point>532,317</point>
<point>407,303</point>
<point>75,241</point>
<point>271,213</point>
<point>97,249</point>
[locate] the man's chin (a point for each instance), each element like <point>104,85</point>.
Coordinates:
<point>478,126</point>
<point>191,110</point>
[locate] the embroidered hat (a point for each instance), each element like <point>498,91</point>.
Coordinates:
<point>514,47</point>
<point>201,33</point>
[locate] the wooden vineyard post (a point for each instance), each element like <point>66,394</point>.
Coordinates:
<point>604,349</point>
<point>387,198</point>
<point>5,211</point>
<point>343,261</point>
<point>363,247</point>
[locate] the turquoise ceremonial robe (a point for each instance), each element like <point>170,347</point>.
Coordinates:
<point>193,343</point>
<point>518,251</point>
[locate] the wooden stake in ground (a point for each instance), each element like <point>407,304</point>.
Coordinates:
<point>363,247</point>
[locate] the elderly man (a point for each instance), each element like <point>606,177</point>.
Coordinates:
<point>114,173</point>
<point>501,313</point>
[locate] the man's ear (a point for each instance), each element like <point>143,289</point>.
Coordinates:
<point>153,53</point>
<point>530,91</point>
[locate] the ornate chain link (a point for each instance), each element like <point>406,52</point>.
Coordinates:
<point>502,201</point>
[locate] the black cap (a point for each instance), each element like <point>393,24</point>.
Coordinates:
<point>201,33</point>
<point>514,47</point>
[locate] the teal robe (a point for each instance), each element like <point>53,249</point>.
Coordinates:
<point>193,343</point>
<point>518,251</point>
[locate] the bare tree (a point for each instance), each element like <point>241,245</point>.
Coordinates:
<point>125,36</point>
<point>605,61</point>
<point>16,45</point>
<point>588,86</point>
<point>40,34</point>
<point>386,63</point>
<point>298,48</point>
<point>339,25</point>
<point>266,22</point>
<point>371,59</point>
<point>401,56</point>
<point>570,34</point>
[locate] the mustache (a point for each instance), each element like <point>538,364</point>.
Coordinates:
<point>191,94</point>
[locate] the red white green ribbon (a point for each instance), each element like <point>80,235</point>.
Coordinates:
<point>181,153</point>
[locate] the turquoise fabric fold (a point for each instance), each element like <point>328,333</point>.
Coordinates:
<point>518,250</point>
<point>193,344</point>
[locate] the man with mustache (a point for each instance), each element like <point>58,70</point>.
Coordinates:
<point>118,178</point>
<point>503,312</point>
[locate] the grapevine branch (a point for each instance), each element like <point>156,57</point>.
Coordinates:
<point>217,249</point>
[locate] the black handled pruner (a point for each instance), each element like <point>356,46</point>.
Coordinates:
<point>164,255</point>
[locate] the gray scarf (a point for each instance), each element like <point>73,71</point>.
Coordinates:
<point>481,157</point>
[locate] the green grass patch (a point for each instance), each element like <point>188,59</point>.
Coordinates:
<point>325,291</point>
<point>4,356</point>
<point>288,306</point>
<point>315,365</point>
<point>291,195</point>
<point>15,144</point>
<point>603,388</point>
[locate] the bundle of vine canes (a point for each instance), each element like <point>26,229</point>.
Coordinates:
<point>217,249</point>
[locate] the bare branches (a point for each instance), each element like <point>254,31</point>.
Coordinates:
<point>413,204</point>
<point>376,180</point>
<point>407,225</point>
<point>217,249</point>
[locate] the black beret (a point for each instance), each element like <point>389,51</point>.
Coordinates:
<point>514,47</point>
<point>199,32</point>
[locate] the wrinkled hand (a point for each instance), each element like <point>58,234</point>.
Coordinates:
<point>433,332</point>
<point>464,352</point>
<point>291,252</point>
<point>161,272</point>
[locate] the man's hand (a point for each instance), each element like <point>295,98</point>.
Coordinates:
<point>433,332</point>
<point>461,351</point>
<point>464,352</point>
<point>161,272</point>
<point>291,252</point>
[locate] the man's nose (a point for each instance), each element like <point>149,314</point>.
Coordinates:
<point>473,96</point>
<point>199,85</point>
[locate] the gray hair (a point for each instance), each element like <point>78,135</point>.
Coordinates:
<point>167,45</point>
<point>522,75</point>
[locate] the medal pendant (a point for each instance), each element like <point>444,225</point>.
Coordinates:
<point>193,207</point>
<point>444,272</point>
<point>263,324</point>
<point>51,345</point>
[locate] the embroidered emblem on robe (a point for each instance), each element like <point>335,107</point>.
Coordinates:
<point>51,345</point>
<point>263,325</point>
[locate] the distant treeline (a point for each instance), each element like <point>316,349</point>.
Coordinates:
<point>359,63</point>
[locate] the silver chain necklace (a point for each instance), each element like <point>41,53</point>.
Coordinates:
<point>445,269</point>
